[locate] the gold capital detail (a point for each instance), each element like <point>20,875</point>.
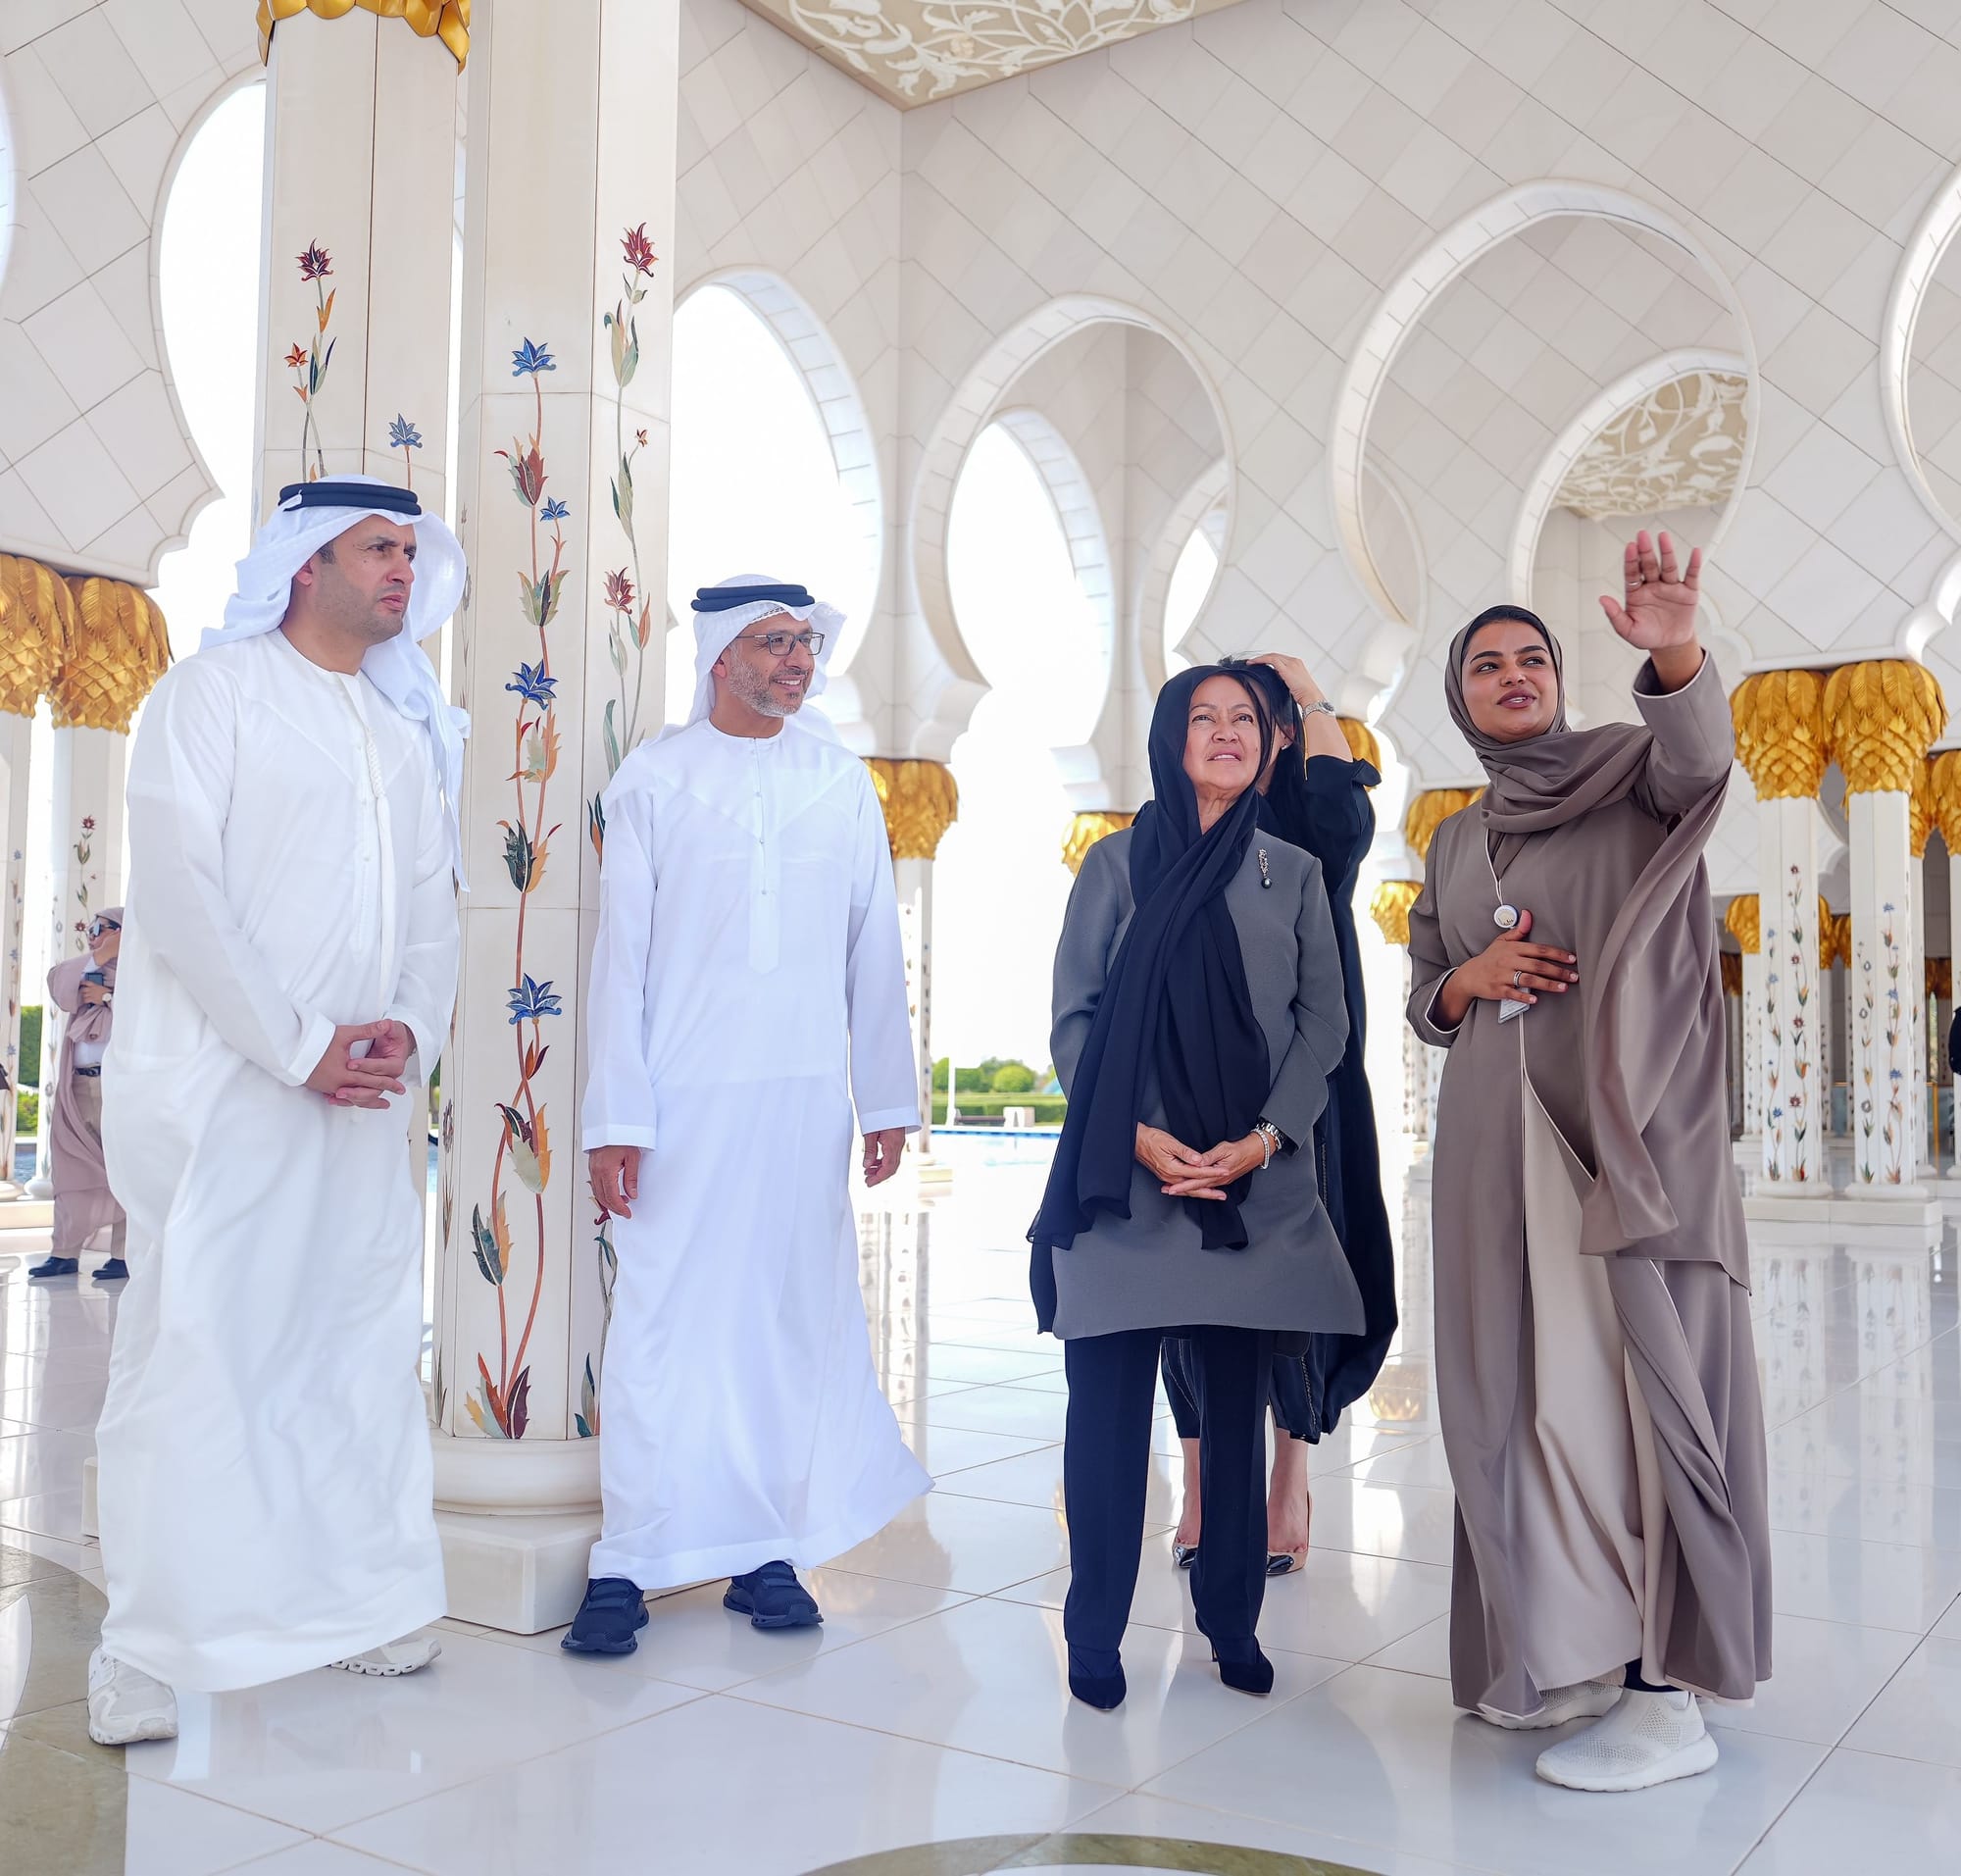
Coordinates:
<point>1733,973</point>
<point>1941,978</point>
<point>1362,743</point>
<point>444,20</point>
<point>1919,809</point>
<point>1883,715</point>
<point>1943,789</point>
<point>1390,908</point>
<point>920,799</point>
<point>1429,810</point>
<point>1086,829</point>
<point>118,650</point>
<point>1743,924</point>
<point>37,618</point>
<point>1780,739</point>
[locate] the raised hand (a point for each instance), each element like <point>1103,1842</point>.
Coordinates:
<point>1657,612</point>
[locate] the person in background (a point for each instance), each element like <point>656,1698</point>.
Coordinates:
<point>83,990</point>
<point>1321,805</point>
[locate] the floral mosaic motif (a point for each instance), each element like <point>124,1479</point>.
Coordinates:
<point>84,849</point>
<point>309,364</point>
<point>405,436</point>
<point>921,49</point>
<point>587,1419</point>
<point>630,627</point>
<point>1880,1018</point>
<point>500,1406</point>
<point>1787,1132</point>
<point>1680,447</point>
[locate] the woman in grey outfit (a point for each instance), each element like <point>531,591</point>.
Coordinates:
<point>1199,1013</point>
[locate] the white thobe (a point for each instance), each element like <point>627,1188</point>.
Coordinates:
<point>748,985</point>
<point>265,1483</point>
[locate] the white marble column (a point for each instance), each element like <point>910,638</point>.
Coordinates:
<point>1793,1021</point>
<point>1884,714</point>
<point>562,506</point>
<point>16,792</point>
<point>920,800</point>
<point>86,867</point>
<point>355,296</point>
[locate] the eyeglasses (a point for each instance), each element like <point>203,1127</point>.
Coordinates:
<point>101,927</point>
<point>778,643</point>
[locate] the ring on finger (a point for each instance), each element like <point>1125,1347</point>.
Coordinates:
<point>1518,980</point>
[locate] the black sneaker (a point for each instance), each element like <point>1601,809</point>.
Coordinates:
<point>57,1267</point>
<point>771,1598</point>
<point>609,1620</point>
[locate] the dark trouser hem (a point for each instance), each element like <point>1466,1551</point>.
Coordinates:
<point>1106,1471</point>
<point>1294,1411</point>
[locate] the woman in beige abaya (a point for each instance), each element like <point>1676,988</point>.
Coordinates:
<point>1595,1376</point>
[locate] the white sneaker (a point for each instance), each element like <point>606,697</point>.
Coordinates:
<point>1587,1700</point>
<point>391,1658</point>
<point>1648,1739</point>
<point>125,1704</point>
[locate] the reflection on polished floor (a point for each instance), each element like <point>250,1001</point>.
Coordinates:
<point>925,1729</point>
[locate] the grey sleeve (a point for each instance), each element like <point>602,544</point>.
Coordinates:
<point>1319,1018</point>
<point>1429,965</point>
<point>1096,907</point>
<point>1695,739</point>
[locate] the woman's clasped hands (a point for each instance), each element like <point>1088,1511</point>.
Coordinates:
<point>1182,1172</point>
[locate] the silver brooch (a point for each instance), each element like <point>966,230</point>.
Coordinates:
<point>1505,917</point>
<point>1266,878</point>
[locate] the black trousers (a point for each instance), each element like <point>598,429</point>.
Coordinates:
<point>1293,1410</point>
<point>1106,1462</point>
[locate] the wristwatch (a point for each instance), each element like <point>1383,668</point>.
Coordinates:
<point>1274,1140</point>
<point>1323,707</point>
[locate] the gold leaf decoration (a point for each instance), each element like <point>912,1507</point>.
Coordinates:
<point>1842,940</point>
<point>444,20</point>
<point>921,801</point>
<point>1940,978</point>
<point>1943,789</point>
<point>1919,809</point>
<point>119,648</point>
<point>1883,714</point>
<point>1390,908</point>
<point>1780,739</point>
<point>1743,923</point>
<point>37,618</point>
<point>1429,810</point>
<point>1733,973</point>
<point>1086,829</point>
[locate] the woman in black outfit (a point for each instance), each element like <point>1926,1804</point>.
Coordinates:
<point>1320,804</point>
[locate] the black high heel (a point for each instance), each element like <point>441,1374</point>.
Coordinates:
<point>1245,1673</point>
<point>1103,1692</point>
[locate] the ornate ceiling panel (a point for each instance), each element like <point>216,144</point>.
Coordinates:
<point>1680,446</point>
<point>914,51</point>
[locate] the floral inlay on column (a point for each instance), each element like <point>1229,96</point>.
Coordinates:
<point>309,367</point>
<point>1792,1105</point>
<point>501,1404</point>
<point>83,851</point>
<point>630,627</point>
<point>405,436</point>
<point>1892,1123</point>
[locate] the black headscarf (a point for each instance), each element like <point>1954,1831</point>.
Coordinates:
<point>1176,1001</point>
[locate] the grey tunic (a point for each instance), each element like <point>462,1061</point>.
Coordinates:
<point>1150,1271</point>
<point>1600,1414</point>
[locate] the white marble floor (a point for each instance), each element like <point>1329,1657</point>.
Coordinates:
<point>931,1710</point>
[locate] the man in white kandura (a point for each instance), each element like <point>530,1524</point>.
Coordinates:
<point>289,948</point>
<point>747,987</point>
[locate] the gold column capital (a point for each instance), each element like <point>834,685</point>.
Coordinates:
<point>1743,923</point>
<point>1780,737</point>
<point>1733,973</point>
<point>37,618</point>
<point>119,648</point>
<point>1842,941</point>
<point>1919,809</point>
<point>1429,810</point>
<point>1883,716</point>
<point>1940,978</point>
<point>1390,908</point>
<point>444,20</point>
<point>1362,743</point>
<point>1943,789</point>
<point>921,801</point>
<point>1825,940</point>
<point>1087,828</point>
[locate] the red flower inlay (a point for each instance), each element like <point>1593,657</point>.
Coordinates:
<point>639,251</point>
<point>297,357</point>
<point>620,591</point>
<point>315,264</point>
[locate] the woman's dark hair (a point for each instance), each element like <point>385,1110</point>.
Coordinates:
<point>1491,616</point>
